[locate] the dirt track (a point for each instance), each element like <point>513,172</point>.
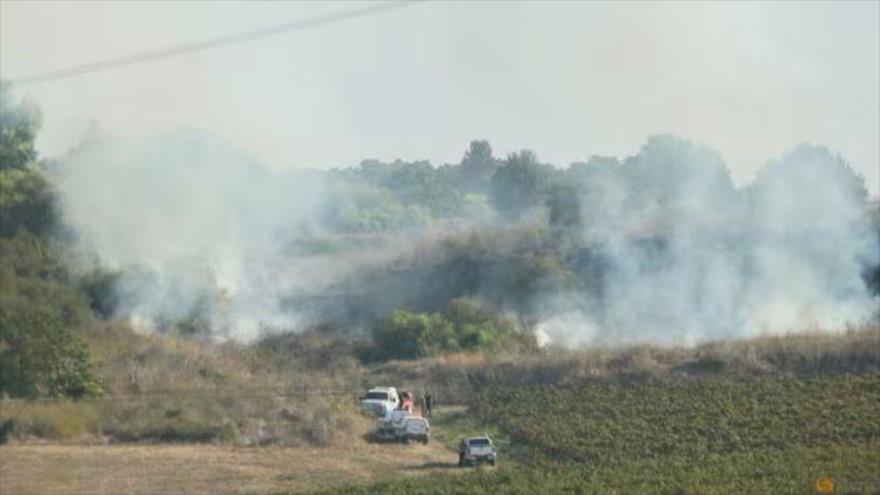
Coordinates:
<point>168,469</point>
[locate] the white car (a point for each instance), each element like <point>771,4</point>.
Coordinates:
<point>380,401</point>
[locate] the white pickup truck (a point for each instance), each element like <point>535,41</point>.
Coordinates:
<point>476,450</point>
<point>380,401</point>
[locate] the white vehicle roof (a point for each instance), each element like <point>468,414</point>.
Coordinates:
<point>383,389</point>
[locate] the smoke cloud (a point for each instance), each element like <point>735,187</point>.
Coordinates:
<point>666,248</point>
<point>195,226</point>
<point>687,258</point>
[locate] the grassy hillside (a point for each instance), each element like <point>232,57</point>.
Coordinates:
<point>164,388</point>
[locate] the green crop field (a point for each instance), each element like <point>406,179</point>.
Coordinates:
<point>708,435</point>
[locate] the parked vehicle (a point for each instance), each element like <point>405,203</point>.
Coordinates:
<point>397,419</point>
<point>416,429</point>
<point>379,401</point>
<point>391,426</point>
<point>475,451</point>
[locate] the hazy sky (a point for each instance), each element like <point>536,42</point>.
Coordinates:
<point>566,79</point>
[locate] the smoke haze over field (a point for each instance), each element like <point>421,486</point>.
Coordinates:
<point>199,202</point>
<point>666,249</point>
<point>689,259</point>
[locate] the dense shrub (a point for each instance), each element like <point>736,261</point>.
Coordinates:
<point>464,326</point>
<point>41,356</point>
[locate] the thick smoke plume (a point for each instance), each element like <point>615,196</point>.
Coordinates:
<point>662,247</point>
<point>195,226</point>
<point>684,257</point>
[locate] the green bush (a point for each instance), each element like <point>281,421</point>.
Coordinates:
<point>465,326</point>
<point>40,356</point>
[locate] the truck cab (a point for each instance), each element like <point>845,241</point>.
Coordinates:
<point>380,401</point>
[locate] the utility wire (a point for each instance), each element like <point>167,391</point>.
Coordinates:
<point>446,391</point>
<point>230,39</point>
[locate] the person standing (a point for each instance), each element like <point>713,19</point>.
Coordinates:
<point>428,400</point>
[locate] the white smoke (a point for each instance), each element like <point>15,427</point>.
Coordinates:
<point>674,252</point>
<point>690,259</point>
<point>193,223</point>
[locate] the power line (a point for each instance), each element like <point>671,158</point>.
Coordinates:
<point>242,37</point>
<point>294,391</point>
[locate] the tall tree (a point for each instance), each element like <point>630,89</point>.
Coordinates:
<point>520,184</point>
<point>477,167</point>
<point>19,125</point>
<point>41,309</point>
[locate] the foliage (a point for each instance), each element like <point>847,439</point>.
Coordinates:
<point>41,308</point>
<point>379,196</point>
<point>802,167</point>
<point>356,208</point>
<point>100,287</point>
<point>40,313</point>
<point>40,355</point>
<point>564,205</point>
<point>520,184</point>
<point>465,326</point>
<point>25,202</point>
<point>477,167</point>
<point>673,175</point>
<point>19,124</point>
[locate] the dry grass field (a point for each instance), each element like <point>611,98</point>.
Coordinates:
<point>203,469</point>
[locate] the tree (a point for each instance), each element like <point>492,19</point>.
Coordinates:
<point>673,175</point>
<point>600,190</point>
<point>520,184</point>
<point>41,356</point>
<point>41,308</point>
<point>834,189</point>
<point>19,125</point>
<point>25,199</point>
<point>25,202</point>
<point>420,184</point>
<point>564,205</point>
<point>477,167</point>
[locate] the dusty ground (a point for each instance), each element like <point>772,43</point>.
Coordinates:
<point>195,469</point>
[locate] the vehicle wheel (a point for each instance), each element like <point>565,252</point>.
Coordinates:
<point>492,463</point>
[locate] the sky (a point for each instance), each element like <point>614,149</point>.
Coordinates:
<point>567,79</point>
